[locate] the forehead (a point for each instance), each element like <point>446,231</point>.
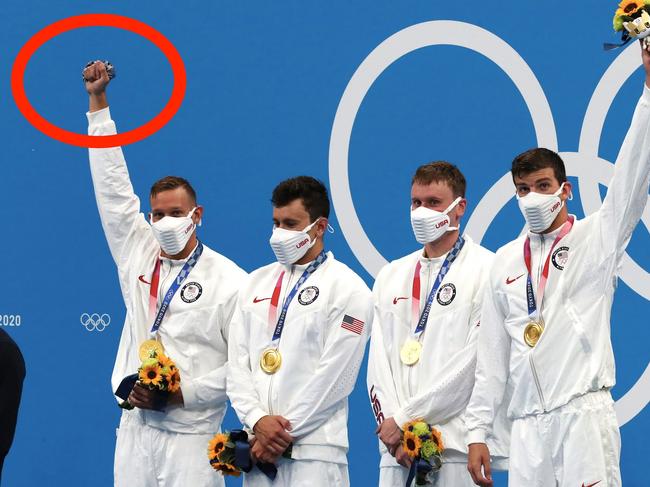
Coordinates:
<point>172,198</point>
<point>536,176</point>
<point>295,210</point>
<point>437,189</point>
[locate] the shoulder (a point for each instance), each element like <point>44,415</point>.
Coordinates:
<point>398,266</point>
<point>346,278</point>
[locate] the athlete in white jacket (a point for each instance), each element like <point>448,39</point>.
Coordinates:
<point>163,448</point>
<point>437,386</point>
<point>296,345</point>
<point>545,326</point>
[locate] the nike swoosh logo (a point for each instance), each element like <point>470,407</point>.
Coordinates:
<point>259,300</point>
<point>141,278</point>
<point>590,485</point>
<point>510,281</point>
<point>395,300</point>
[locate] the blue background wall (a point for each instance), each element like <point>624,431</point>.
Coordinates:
<point>264,83</point>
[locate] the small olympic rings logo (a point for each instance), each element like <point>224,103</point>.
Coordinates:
<point>95,321</point>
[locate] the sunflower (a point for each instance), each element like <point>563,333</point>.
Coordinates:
<point>226,469</point>
<point>165,362</point>
<point>150,374</point>
<point>173,378</point>
<point>436,437</point>
<point>411,444</point>
<point>629,7</point>
<point>217,445</point>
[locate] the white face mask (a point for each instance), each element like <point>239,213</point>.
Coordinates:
<point>540,210</point>
<point>429,225</point>
<point>173,233</point>
<point>290,246</point>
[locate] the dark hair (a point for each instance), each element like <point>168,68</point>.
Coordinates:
<point>441,171</point>
<point>310,190</point>
<point>172,182</point>
<point>535,159</point>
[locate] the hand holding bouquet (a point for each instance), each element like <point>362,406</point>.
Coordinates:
<point>423,444</point>
<point>157,379</point>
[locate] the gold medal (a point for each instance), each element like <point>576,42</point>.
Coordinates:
<point>270,360</point>
<point>148,347</point>
<point>532,333</point>
<point>410,352</point>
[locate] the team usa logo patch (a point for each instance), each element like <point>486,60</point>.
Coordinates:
<point>560,257</point>
<point>308,295</point>
<point>191,292</point>
<point>446,294</point>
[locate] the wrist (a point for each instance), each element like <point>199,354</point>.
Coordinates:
<point>97,101</point>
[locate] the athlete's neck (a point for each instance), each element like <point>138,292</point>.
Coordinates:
<point>441,246</point>
<point>311,253</point>
<point>185,253</point>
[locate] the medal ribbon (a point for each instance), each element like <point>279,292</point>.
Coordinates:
<point>153,289</point>
<point>182,275</point>
<point>444,269</point>
<point>311,268</point>
<point>541,287</point>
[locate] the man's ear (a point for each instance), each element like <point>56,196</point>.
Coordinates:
<point>567,191</point>
<point>321,227</point>
<point>198,215</point>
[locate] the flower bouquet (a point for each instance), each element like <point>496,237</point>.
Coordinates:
<point>633,19</point>
<point>423,444</point>
<point>159,373</point>
<point>230,454</point>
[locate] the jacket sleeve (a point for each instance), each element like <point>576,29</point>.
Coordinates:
<point>450,393</point>
<point>381,388</point>
<point>492,363</point>
<point>210,389</point>
<point>339,365</point>
<point>119,207</point>
<point>628,190</point>
<point>240,382</point>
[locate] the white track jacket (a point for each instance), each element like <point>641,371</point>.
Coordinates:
<point>574,354</point>
<point>438,387</point>
<point>320,358</point>
<point>194,331</point>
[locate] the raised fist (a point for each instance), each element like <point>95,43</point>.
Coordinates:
<point>96,78</point>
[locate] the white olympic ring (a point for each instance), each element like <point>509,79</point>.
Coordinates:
<point>585,164</point>
<point>95,321</point>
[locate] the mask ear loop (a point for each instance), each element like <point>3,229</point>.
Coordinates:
<point>451,207</point>
<point>330,228</point>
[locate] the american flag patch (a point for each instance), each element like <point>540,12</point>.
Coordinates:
<point>352,324</point>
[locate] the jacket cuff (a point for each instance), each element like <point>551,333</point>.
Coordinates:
<point>401,418</point>
<point>254,416</point>
<point>190,396</point>
<point>99,117</point>
<point>476,436</point>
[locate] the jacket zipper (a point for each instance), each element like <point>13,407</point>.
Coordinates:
<point>530,355</point>
<point>426,295</point>
<point>281,303</point>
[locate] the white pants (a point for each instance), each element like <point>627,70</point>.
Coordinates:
<point>301,473</point>
<point>577,444</point>
<point>151,457</point>
<point>450,475</point>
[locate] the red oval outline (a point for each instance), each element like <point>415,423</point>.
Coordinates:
<point>98,20</point>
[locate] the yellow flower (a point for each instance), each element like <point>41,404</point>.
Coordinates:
<point>217,445</point>
<point>150,374</point>
<point>173,378</point>
<point>411,444</point>
<point>226,468</point>
<point>165,362</point>
<point>436,437</point>
<point>629,7</point>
